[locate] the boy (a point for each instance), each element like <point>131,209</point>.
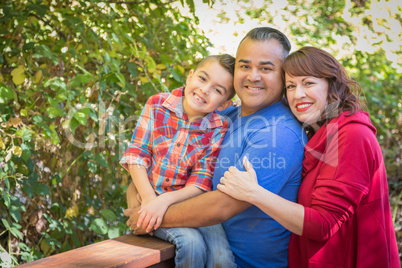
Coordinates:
<point>172,156</point>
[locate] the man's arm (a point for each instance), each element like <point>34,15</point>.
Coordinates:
<point>154,211</point>
<point>203,210</point>
<point>206,209</point>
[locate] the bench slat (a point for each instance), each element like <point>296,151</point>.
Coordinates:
<point>124,251</point>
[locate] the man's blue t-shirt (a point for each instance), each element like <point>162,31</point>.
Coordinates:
<point>273,142</point>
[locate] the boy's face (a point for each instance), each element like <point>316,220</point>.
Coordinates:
<point>207,89</point>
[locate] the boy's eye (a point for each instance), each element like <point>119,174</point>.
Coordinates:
<point>202,78</point>
<point>218,90</point>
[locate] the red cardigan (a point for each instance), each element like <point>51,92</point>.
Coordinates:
<point>347,220</point>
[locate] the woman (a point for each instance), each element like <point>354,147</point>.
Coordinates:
<point>343,216</point>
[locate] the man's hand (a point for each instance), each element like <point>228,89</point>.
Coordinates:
<point>133,215</point>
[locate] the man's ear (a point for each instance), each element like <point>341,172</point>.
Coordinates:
<point>225,105</point>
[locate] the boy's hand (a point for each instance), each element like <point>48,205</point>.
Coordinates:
<point>151,213</point>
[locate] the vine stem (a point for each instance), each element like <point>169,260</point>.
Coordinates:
<point>3,249</point>
<point>72,164</point>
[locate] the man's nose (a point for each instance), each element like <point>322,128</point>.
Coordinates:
<point>254,75</point>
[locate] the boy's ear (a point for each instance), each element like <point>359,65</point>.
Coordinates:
<point>225,105</point>
<point>190,74</point>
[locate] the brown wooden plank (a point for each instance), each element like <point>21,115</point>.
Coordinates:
<point>124,251</point>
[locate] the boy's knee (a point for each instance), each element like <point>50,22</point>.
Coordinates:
<point>194,242</point>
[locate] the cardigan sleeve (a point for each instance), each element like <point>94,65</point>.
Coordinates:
<point>343,181</point>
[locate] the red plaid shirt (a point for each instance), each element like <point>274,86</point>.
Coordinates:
<point>176,153</point>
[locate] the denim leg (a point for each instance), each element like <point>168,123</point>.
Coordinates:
<point>218,248</point>
<point>191,250</point>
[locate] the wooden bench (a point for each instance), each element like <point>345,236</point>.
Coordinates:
<point>124,251</point>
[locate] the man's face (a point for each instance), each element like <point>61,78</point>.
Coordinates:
<point>257,79</point>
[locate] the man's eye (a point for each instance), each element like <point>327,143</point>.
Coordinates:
<point>266,69</point>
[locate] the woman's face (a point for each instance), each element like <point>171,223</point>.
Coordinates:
<point>307,96</point>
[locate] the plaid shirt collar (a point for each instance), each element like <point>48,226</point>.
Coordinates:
<point>174,104</point>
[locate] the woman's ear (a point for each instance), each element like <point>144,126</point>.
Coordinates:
<point>225,105</point>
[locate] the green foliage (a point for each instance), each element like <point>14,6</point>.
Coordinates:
<point>74,76</point>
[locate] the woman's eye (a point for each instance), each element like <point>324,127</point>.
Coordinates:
<point>290,87</point>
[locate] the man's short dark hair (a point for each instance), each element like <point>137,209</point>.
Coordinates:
<point>268,33</point>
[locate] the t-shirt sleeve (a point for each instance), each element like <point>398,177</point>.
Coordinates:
<point>343,181</point>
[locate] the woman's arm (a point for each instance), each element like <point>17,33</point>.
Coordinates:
<point>244,186</point>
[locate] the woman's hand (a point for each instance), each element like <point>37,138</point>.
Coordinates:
<point>240,184</point>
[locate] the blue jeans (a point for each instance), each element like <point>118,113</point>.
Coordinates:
<point>199,247</point>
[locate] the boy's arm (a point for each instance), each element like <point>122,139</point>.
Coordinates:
<point>138,155</point>
<point>140,178</point>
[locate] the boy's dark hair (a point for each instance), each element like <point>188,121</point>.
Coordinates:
<point>268,33</point>
<point>227,62</point>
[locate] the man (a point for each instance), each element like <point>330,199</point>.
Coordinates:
<point>264,130</point>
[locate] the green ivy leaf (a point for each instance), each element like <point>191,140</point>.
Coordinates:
<point>100,158</point>
<point>108,215</point>
<point>41,189</point>
<point>16,233</point>
<point>5,223</point>
<point>37,119</point>
<point>24,133</point>
<point>74,124</point>
<point>113,232</point>
<point>54,112</point>
<point>15,213</point>
<point>81,118</point>
<point>6,198</point>
<point>99,226</point>
<point>5,93</point>
<point>26,152</point>
<point>132,69</point>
